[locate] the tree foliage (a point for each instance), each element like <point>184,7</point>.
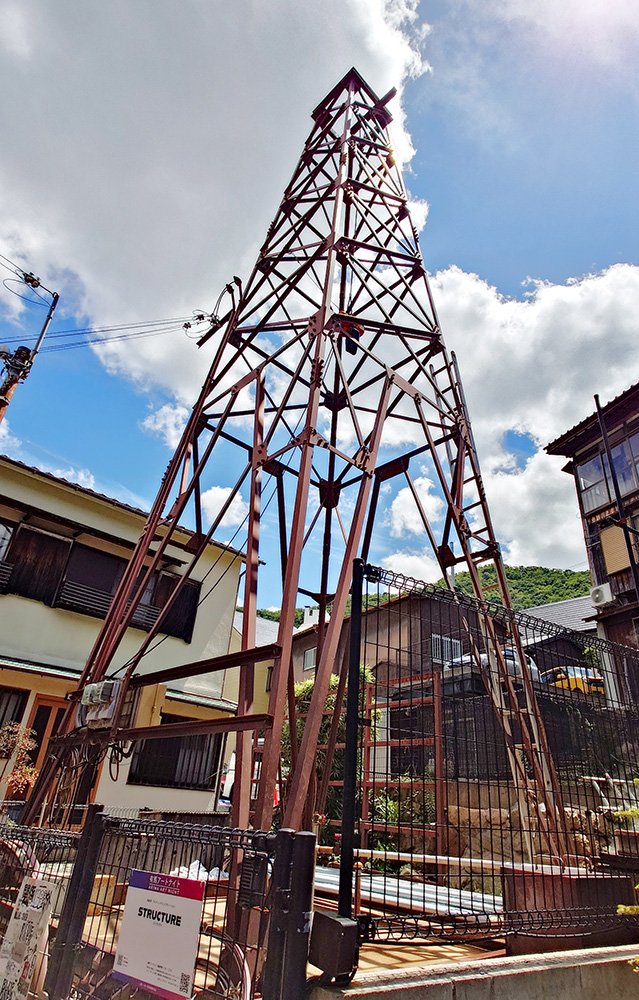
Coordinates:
<point>274,616</point>
<point>529,585</point>
<point>303,695</point>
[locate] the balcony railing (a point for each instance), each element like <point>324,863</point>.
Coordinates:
<point>89,601</point>
<point>5,573</point>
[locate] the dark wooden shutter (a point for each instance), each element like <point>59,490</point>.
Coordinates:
<point>90,580</point>
<point>94,568</point>
<point>180,619</point>
<point>38,564</point>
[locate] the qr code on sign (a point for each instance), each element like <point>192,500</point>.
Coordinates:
<point>6,990</point>
<point>185,983</point>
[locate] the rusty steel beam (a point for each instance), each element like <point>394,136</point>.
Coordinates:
<point>255,654</point>
<point>243,749</point>
<point>192,727</point>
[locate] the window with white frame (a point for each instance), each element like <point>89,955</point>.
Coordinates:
<point>309,658</point>
<point>443,648</point>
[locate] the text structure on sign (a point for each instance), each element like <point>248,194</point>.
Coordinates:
<point>160,932</point>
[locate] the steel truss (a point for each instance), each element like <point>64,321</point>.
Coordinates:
<point>329,379</point>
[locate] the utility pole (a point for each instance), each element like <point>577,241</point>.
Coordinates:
<point>18,364</point>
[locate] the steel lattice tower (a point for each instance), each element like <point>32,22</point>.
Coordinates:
<point>330,377</point>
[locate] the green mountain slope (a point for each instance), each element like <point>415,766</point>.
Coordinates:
<point>530,585</point>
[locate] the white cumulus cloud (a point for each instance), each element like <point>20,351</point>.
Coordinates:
<point>214,499</point>
<point>83,477</point>
<point>9,443</point>
<point>404,514</point>
<point>531,365</point>
<point>165,136</point>
<point>420,565</point>
<point>167,423</point>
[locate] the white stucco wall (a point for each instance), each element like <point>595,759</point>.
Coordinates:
<point>30,630</point>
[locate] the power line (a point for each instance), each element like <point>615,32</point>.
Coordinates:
<point>89,336</point>
<point>10,266</point>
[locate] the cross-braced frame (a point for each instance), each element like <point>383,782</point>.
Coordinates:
<point>329,379</point>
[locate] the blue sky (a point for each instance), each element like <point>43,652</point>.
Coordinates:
<point>147,147</point>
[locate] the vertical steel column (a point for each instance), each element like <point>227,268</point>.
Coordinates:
<point>299,920</point>
<point>345,901</point>
<point>243,741</point>
<point>284,974</point>
<point>273,974</point>
<point>59,978</point>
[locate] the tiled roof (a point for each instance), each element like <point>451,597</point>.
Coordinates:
<point>570,614</point>
<point>73,486</point>
<point>557,447</point>
<point>50,669</point>
<point>98,496</point>
<point>265,630</point>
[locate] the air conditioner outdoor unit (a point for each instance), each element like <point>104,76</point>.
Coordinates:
<point>601,595</point>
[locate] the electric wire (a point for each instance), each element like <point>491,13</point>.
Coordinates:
<point>95,336</point>
<point>101,334</point>
<point>8,282</point>
<point>11,265</point>
<point>105,341</point>
<point>118,328</point>
<point>225,547</point>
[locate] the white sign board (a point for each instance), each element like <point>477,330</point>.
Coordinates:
<point>160,933</point>
<point>22,953</point>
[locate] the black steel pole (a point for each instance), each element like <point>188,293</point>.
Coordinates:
<point>345,899</point>
<point>621,511</point>
<point>19,364</point>
<point>274,965</point>
<point>55,298</point>
<point>299,918</point>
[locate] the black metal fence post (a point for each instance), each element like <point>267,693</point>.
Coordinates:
<point>273,974</point>
<point>299,917</point>
<point>345,900</point>
<point>284,975</point>
<point>74,912</point>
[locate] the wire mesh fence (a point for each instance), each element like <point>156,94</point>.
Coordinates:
<point>26,854</point>
<point>234,867</point>
<point>245,884</point>
<point>498,756</point>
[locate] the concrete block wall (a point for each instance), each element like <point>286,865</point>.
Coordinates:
<point>587,974</point>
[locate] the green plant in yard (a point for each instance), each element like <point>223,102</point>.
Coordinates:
<point>303,695</point>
